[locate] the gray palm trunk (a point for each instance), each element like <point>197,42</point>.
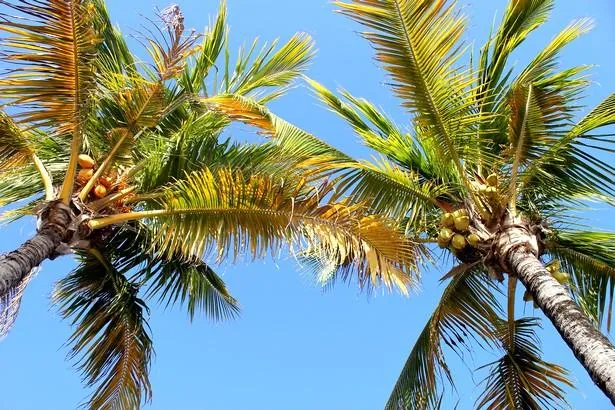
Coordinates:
<point>16,265</point>
<point>518,251</point>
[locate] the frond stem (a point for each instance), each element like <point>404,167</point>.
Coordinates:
<point>45,176</point>
<point>512,189</point>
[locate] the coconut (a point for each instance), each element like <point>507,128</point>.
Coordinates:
<point>554,266</point>
<point>444,237</point>
<point>460,212</point>
<point>458,242</point>
<point>492,180</point>
<point>561,277</point>
<point>100,191</point>
<point>527,296</point>
<point>85,161</point>
<point>105,181</point>
<point>462,223</point>
<point>473,239</point>
<point>447,220</point>
<point>491,191</point>
<point>84,175</point>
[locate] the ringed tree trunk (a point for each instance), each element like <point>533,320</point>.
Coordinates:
<point>54,221</point>
<point>517,249</point>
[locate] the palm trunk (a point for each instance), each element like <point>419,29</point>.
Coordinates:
<point>589,345</point>
<point>15,265</point>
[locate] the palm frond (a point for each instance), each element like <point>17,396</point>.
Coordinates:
<point>465,313</point>
<point>383,187</point>
<point>228,214</point>
<point>521,379</point>
<point>589,258</point>
<point>111,341</point>
<point>418,43</point>
<point>214,41</point>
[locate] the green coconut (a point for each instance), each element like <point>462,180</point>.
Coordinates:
<point>462,223</point>
<point>554,266</point>
<point>444,237</point>
<point>473,239</point>
<point>447,220</point>
<point>458,242</point>
<point>527,296</point>
<point>561,277</point>
<point>492,180</point>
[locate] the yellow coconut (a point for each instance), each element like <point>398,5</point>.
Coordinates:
<point>458,241</point>
<point>554,266</point>
<point>561,277</point>
<point>447,220</point>
<point>460,212</point>
<point>473,239</point>
<point>84,175</point>
<point>462,223</point>
<point>492,180</point>
<point>100,191</point>
<point>85,161</point>
<point>444,237</point>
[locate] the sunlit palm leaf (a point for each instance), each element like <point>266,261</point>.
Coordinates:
<point>227,214</point>
<point>383,187</point>
<point>418,43</point>
<point>466,313</point>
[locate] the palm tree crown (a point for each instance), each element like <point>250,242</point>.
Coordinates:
<point>493,164</point>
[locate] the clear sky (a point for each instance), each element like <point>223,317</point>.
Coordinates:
<point>294,347</point>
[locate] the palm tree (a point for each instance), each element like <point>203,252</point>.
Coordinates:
<point>491,170</point>
<point>126,167</point>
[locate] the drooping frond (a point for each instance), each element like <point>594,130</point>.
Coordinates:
<point>418,43</point>
<point>521,379</point>
<point>111,340</point>
<point>384,187</point>
<point>227,214</point>
<point>15,149</point>
<point>589,258</point>
<point>465,314</point>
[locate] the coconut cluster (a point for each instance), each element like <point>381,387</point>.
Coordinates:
<point>104,185</point>
<point>454,231</point>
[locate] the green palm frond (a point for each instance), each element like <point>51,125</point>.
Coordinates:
<point>417,155</point>
<point>418,43</point>
<point>589,258</point>
<point>214,42</point>
<point>466,313</point>
<point>111,340</point>
<point>521,379</point>
<point>383,187</point>
<point>268,74</point>
<point>169,279</point>
<point>15,149</point>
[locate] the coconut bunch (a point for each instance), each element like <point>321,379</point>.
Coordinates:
<point>454,231</point>
<point>488,193</point>
<point>554,268</point>
<point>105,185</point>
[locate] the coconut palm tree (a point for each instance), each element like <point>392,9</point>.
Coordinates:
<point>492,169</point>
<point>125,166</point>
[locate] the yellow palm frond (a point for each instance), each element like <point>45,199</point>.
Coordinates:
<point>53,48</point>
<point>227,214</point>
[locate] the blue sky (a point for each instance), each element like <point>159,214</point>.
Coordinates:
<point>294,347</point>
